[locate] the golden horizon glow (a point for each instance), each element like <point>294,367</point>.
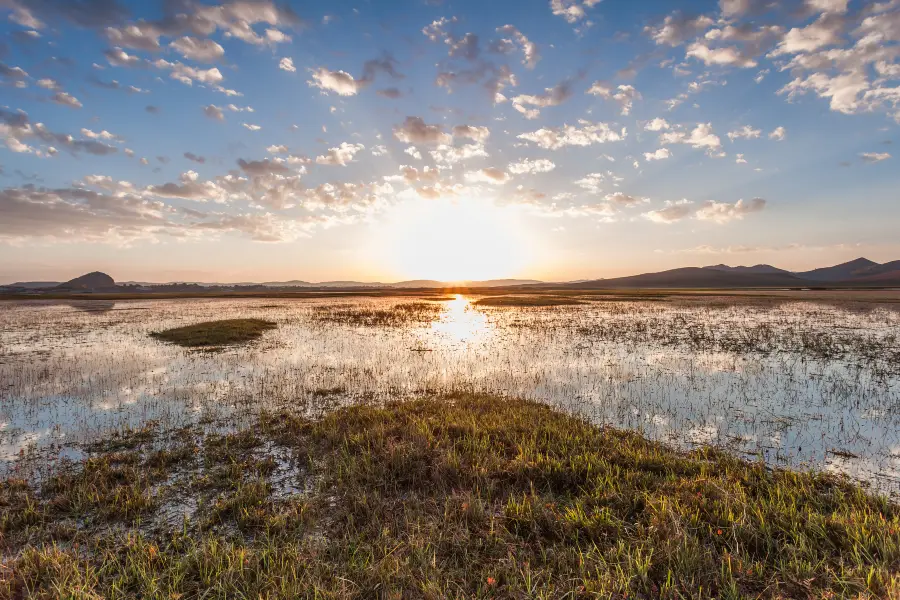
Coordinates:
<point>459,239</point>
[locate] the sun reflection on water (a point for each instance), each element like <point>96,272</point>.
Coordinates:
<point>460,322</point>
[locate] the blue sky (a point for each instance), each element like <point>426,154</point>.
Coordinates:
<point>551,139</point>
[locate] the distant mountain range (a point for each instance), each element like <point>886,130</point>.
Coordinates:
<point>861,272</point>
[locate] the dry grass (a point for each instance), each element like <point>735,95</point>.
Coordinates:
<point>460,497</point>
<point>398,315</point>
<point>526,301</point>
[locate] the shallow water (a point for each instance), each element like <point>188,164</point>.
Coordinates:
<point>802,384</point>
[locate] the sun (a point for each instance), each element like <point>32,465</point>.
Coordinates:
<point>458,239</point>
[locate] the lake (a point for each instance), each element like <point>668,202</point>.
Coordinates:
<point>796,383</point>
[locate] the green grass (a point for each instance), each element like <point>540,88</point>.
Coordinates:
<point>461,497</point>
<point>215,333</point>
<point>524,301</point>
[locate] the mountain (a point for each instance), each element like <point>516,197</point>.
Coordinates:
<point>842,272</point>
<point>95,281</point>
<point>754,269</point>
<point>695,277</point>
<point>877,270</point>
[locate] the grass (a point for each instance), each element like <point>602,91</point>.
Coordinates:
<point>460,497</point>
<point>525,301</point>
<point>215,333</point>
<point>398,315</point>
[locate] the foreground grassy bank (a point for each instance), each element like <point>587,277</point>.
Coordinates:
<point>454,498</point>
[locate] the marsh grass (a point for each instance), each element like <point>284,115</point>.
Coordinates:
<point>457,497</point>
<point>215,333</point>
<point>526,301</point>
<point>398,315</point>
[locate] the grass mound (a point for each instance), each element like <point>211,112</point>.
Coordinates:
<point>527,301</point>
<point>215,333</point>
<point>465,497</point>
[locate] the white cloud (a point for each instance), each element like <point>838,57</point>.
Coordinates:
<point>214,112</point>
<point>66,99</point>
<point>414,130</point>
<point>551,97</point>
<point>723,56</point>
<point>825,31</point>
<point>529,48</point>
<point>413,152</point>
<point>449,155</point>
<point>339,82</point>
<point>187,74</point>
<point>671,212</point>
<point>660,154</point>
<point>656,124</point>
<point>489,175</point>
<point>251,127</point>
<point>590,133</point>
<point>677,29</point>
<point>340,156</point>
<point>746,132</point>
<point>740,159</point>
<point>625,95</point>
<point>572,10</point>
<point>778,134</point>
<point>702,136</point>
<point>844,90</point>
<point>102,135</point>
<point>204,50</point>
<point>874,157</point>
<point>287,64</point>
<point>723,212</point>
<point>541,165</point>
<point>473,132</point>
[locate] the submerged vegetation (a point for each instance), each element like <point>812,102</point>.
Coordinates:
<point>527,301</point>
<point>373,315</point>
<point>459,497</point>
<point>215,333</point>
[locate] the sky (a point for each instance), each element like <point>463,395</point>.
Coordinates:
<point>244,140</point>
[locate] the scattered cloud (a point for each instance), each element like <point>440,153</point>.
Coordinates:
<point>587,134</point>
<point>341,155</point>
<point>659,154</point>
<point>541,165</point>
<point>723,212</point>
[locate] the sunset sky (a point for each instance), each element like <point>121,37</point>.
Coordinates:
<point>380,141</point>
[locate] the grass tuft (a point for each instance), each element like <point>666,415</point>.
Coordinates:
<point>215,333</point>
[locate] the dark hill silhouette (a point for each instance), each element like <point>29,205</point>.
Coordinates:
<point>876,270</point>
<point>95,281</point>
<point>842,272</point>
<point>759,269</point>
<point>696,277</point>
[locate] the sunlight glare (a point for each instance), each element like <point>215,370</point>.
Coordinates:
<point>463,239</point>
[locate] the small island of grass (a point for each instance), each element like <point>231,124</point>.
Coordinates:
<point>215,333</point>
<point>525,301</point>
